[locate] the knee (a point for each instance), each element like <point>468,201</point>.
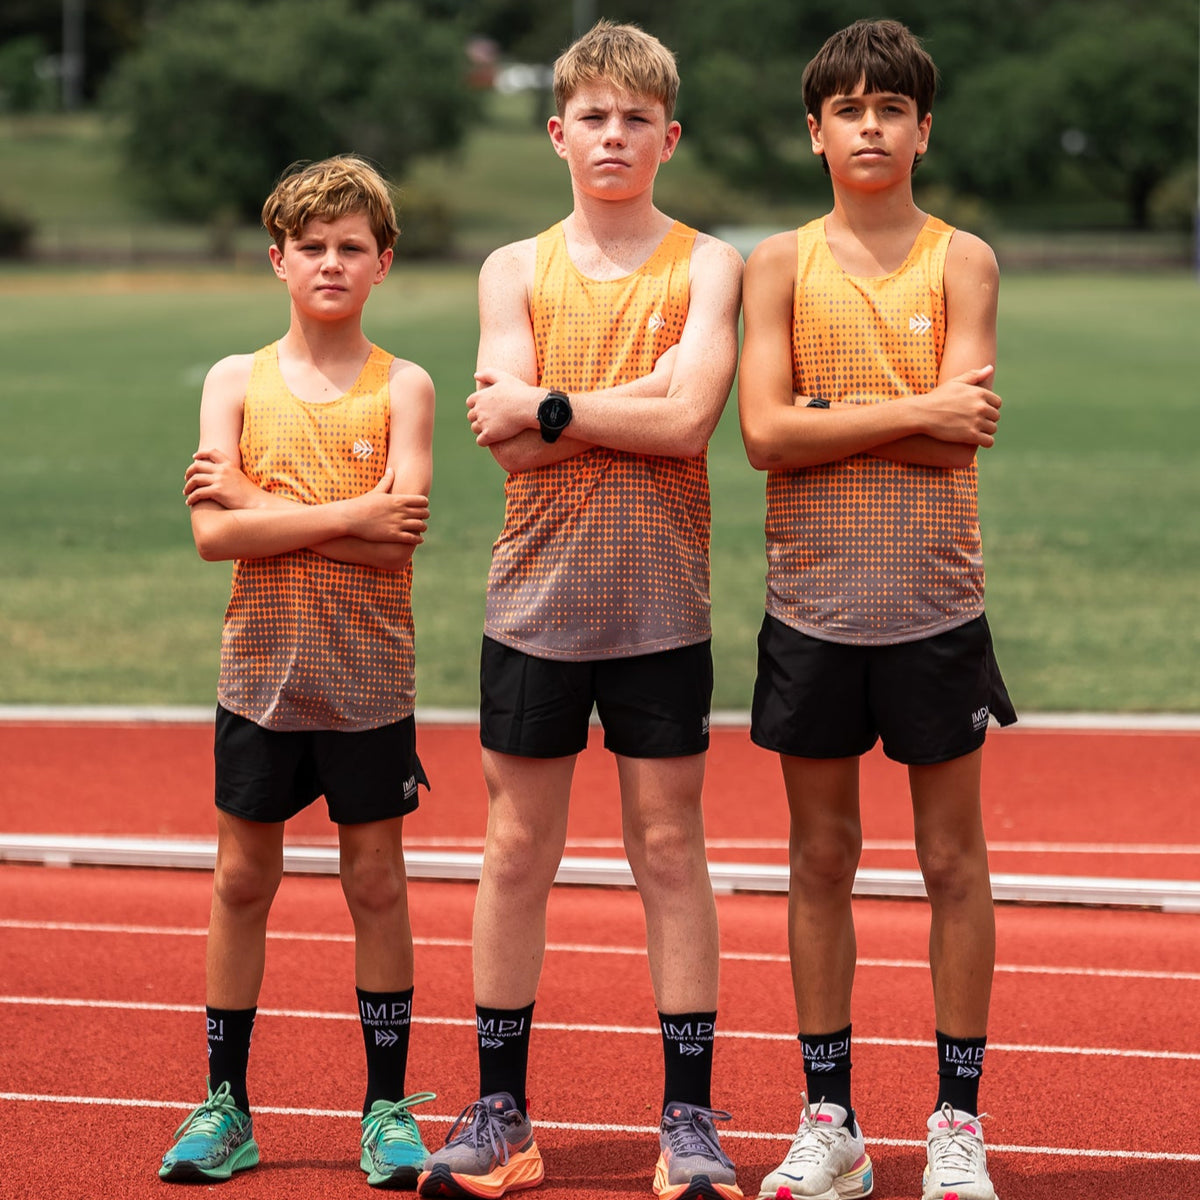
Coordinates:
<point>245,885</point>
<point>665,855</point>
<point>517,860</point>
<point>827,861</point>
<point>373,887</point>
<point>952,873</point>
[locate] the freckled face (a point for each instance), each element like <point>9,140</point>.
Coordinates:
<point>612,141</point>
<point>332,266</point>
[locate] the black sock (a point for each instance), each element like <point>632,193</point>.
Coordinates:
<point>687,1040</point>
<point>503,1035</point>
<point>827,1067</point>
<point>229,1031</point>
<point>960,1064</point>
<point>385,1017</point>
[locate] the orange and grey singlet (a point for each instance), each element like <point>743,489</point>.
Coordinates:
<point>604,554</point>
<point>310,643</point>
<point>865,550</point>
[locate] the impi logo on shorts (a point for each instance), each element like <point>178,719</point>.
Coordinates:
<point>979,718</point>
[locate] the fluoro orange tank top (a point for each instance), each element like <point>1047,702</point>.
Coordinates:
<point>864,550</point>
<point>310,643</point>
<point>604,554</point>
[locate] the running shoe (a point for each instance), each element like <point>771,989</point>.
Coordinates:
<point>217,1139</point>
<point>489,1151</point>
<point>691,1164</point>
<point>393,1154</point>
<point>957,1168</point>
<point>827,1159</point>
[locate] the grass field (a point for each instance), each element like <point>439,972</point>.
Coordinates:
<point>1089,501</point>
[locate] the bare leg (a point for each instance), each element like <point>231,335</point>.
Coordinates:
<point>376,891</point>
<point>953,857</point>
<point>248,869</point>
<point>664,839</point>
<point>825,846</point>
<point>526,833</point>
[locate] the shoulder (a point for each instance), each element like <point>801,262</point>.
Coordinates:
<point>970,258</point>
<point>509,264</point>
<point>229,378</point>
<point>772,263</point>
<point>712,254</point>
<point>410,383</point>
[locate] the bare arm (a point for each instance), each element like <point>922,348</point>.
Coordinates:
<point>972,284</point>
<point>778,428</point>
<point>672,411</point>
<point>409,469</point>
<point>262,525</point>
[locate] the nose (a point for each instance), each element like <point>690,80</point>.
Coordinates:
<point>614,131</point>
<point>332,260</point>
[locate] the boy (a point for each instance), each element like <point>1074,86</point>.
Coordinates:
<point>314,463</point>
<point>607,349</point>
<point>865,393</point>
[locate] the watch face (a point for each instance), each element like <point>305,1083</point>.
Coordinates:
<point>555,411</point>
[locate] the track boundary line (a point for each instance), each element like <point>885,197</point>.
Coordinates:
<point>281,935</point>
<point>653,1031</point>
<point>588,1127</point>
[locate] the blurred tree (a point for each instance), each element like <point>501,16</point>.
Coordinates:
<point>222,96</point>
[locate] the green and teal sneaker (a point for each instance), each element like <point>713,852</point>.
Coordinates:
<point>217,1139</point>
<point>392,1151</point>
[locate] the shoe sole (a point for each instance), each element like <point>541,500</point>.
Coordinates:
<point>854,1184</point>
<point>401,1179</point>
<point>242,1159</point>
<point>523,1170</point>
<point>700,1188</point>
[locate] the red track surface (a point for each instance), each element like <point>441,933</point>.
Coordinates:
<point>1095,1036</point>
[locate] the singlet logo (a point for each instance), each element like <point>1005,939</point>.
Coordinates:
<point>362,448</point>
<point>919,324</point>
<point>979,718</point>
<point>656,322</point>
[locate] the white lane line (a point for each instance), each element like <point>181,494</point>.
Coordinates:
<point>584,1126</point>
<point>301,1014</point>
<point>903,964</point>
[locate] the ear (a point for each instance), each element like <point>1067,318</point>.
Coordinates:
<point>277,263</point>
<point>814,133</point>
<point>384,265</point>
<point>923,132</point>
<point>554,127</point>
<point>671,140</point>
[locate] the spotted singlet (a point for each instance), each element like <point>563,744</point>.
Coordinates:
<point>606,553</point>
<point>864,550</point>
<point>310,643</point>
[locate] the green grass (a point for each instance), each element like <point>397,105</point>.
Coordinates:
<point>1088,501</point>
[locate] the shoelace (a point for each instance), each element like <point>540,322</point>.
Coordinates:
<point>812,1142</point>
<point>955,1148</point>
<point>211,1116</point>
<point>695,1134</point>
<point>478,1122</point>
<point>395,1123</point>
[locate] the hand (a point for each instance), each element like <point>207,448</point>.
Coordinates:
<point>211,475</point>
<point>963,409</point>
<point>503,407</point>
<point>379,516</point>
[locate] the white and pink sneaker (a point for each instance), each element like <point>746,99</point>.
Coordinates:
<point>826,1160</point>
<point>957,1167</point>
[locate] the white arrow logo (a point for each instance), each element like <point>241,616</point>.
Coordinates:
<point>967,1072</point>
<point>491,1043</point>
<point>919,324</point>
<point>822,1065</point>
<point>385,1037</point>
<point>656,322</point>
<point>363,448</point>
<point>690,1048</point>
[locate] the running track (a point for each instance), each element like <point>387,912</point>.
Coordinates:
<point>1095,1035</point>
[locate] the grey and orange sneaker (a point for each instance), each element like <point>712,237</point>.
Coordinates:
<point>489,1151</point>
<point>826,1161</point>
<point>957,1166</point>
<point>691,1164</point>
<point>216,1140</point>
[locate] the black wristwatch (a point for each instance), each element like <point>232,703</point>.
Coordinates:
<point>554,415</point>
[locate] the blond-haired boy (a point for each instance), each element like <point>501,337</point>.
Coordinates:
<point>607,349</point>
<point>314,465</point>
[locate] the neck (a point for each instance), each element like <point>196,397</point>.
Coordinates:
<point>324,341</point>
<point>608,222</point>
<point>890,211</point>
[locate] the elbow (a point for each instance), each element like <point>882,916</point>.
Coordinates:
<point>759,451</point>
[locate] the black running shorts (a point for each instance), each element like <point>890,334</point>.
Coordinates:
<point>270,775</point>
<point>650,705</point>
<point>929,700</point>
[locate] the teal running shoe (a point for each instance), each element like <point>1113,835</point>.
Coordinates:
<point>393,1154</point>
<point>217,1139</point>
